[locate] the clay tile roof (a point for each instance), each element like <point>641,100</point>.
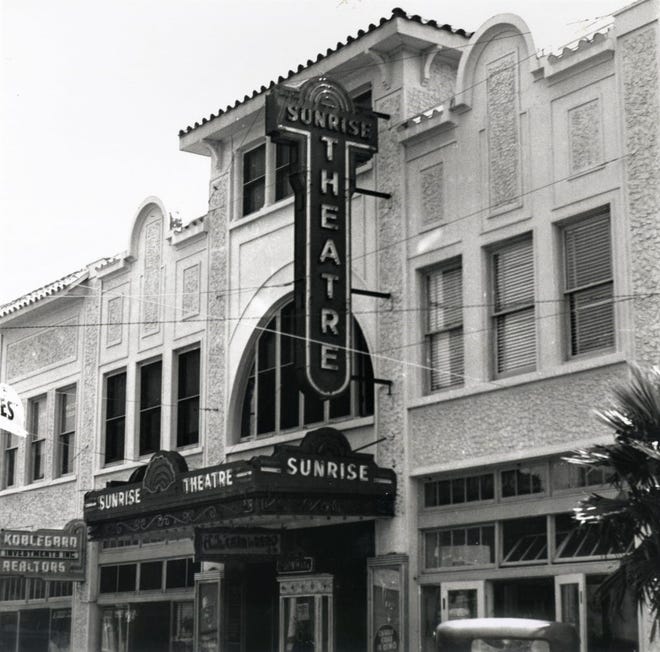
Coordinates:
<point>42,293</point>
<point>396,13</point>
<point>581,45</point>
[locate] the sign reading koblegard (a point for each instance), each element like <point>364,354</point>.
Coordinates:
<point>50,554</point>
<point>333,136</point>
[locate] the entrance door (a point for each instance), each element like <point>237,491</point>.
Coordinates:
<point>463,600</point>
<point>570,604</point>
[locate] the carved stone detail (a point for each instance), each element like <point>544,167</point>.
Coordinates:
<point>432,193</point>
<point>113,334</point>
<point>585,137</point>
<point>49,347</point>
<point>503,131</point>
<point>190,291</point>
<point>151,286</point>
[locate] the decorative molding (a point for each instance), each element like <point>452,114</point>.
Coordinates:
<point>48,348</point>
<point>427,60</point>
<point>314,585</point>
<point>384,67</point>
<point>432,192</point>
<point>585,136</point>
<point>190,290</point>
<point>151,279</point>
<point>503,132</point>
<point>115,317</point>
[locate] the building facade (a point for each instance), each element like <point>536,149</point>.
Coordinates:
<point>504,272</point>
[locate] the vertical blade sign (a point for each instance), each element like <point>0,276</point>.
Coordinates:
<point>332,137</point>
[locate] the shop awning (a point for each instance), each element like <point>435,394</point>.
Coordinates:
<point>320,478</point>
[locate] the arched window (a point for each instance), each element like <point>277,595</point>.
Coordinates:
<point>272,402</point>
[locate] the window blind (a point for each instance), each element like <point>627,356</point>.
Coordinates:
<point>445,327</point>
<point>513,310</point>
<point>589,287</point>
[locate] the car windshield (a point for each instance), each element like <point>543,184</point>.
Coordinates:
<point>509,644</point>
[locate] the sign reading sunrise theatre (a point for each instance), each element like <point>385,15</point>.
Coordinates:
<point>332,137</point>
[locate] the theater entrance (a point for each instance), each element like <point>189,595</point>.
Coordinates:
<point>314,599</point>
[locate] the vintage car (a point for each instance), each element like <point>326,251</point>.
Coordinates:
<point>500,634</point>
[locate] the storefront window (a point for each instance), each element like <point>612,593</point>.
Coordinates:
<point>525,540</point>
<point>464,546</point>
<point>299,621</point>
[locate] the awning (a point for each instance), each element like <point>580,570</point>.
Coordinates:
<point>322,477</point>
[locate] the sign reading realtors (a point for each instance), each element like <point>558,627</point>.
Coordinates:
<point>51,554</point>
<point>332,137</point>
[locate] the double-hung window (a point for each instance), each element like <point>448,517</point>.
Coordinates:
<point>267,169</point>
<point>254,179</point>
<point>444,328</point>
<point>10,444</point>
<point>65,436</point>
<point>37,430</point>
<point>115,417</point>
<point>187,405</point>
<point>588,285</point>
<point>513,315</point>
<point>150,406</point>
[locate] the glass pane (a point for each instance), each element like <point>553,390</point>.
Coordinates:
<point>570,604</point>
<point>299,624</point>
<point>33,633</point>
<point>525,539</point>
<point>176,573</point>
<point>208,616</point>
<point>184,622</point>
<point>67,409</point>
<point>516,341</point>
<point>189,374</point>
<point>386,592</point>
<point>60,630</point>
<point>149,627</point>
<point>187,426</point>
<point>8,630</point>
<point>461,603</point>
<point>126,577</point>
<point>149,430</point>
<point>513,268</point>
<point>500,644</point>
<point>114,440</point>
<point>116,396</point>
<point>431,616</point>
<point>150,385</point>
<point>151,575</point>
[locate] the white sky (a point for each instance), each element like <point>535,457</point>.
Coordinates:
<point>94,94</point>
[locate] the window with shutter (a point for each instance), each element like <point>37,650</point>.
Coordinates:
<point>444,331</point>
<point>513,308</point>
<point>588,285</point>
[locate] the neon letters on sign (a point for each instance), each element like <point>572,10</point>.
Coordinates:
<point>332,137</point>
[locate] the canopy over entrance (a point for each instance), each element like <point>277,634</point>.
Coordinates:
<point>322,478</point>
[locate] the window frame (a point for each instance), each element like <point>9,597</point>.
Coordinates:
<point>437,531</point>
<point>144,412</point>
<point>269,179</point>
<point>9,452</point>
<point>452,327</point>
<point>121,446</point>
<point>568,294</point>
<point>358,401</point>
<point>36,448</point>
<point>497,314</point>
<point>178,399</point>
<point>61,432</point>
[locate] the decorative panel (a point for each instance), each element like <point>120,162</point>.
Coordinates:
<point>52,346</point>
<point>503,131</point>
<point>432,183</point>
<point>113,333</point>
<point>190,291</point>
<point>584,129</point>
<point>151,284</point>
